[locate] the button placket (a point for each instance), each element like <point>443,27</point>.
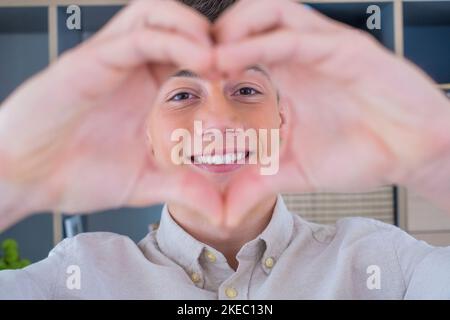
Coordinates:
<point>195,277</point>
<point>210,256</point>
<point>231,292</point>
<point>196,274</point>
<point>269,262</point>
<point>237,286</point>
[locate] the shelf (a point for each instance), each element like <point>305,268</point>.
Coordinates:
<point>92,19</point>
<point>32,3</point>
<point>23,45</point>
<point>444,86</point>
<point>427,37</point>
<point>23,52</point>
<point>132,222</point>
<point>435,238</point>
<point>34,236</point>
<point>354,14</point>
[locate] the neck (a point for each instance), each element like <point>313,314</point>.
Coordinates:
<point>226,241</point>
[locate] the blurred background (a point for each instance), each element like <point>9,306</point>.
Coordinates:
<point>34,32</point>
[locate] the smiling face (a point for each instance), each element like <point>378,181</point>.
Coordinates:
<point>220,106</point>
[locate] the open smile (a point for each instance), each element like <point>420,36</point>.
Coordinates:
<point>221,163</point>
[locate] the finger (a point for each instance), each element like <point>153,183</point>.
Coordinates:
<point>147,46</point>
<point>248,18</point>
<point>250,188</point>
<point>183,187</point>
<point>168,15</point>
<point>10,218</point>
<point>243,193</point>
<point>274,47</point>
<point>106,62</point>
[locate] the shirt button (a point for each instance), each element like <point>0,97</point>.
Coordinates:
<point>231,293</point>
<point>195,277</point>
<point>269,262</point>
<point>210,256</point>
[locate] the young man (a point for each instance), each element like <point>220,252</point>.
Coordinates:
<point>95,131</point>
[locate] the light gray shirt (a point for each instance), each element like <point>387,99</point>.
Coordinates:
<point>358,258</point>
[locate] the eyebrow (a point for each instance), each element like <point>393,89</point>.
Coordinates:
<point>190,74</point>
<point>259,69</point>
<point>185,73</point>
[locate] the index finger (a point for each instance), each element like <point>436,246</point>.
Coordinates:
<point>250,17</point>
<point>169,15</point>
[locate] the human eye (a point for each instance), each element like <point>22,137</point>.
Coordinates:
<point>181,96</point>
<point>246,91</point>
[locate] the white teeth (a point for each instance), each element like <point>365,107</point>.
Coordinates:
<point>228,158</point>
<point>218,160</point>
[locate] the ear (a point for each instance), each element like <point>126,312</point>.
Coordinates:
<point>287,112</point>
<point>283,114</point>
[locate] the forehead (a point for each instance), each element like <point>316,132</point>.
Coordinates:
<point>185,73</point>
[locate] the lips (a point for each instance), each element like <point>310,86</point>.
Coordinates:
<point>221,163</point>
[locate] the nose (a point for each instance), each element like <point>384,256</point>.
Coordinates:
<point>219,113</point>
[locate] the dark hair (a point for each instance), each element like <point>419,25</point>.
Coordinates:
<point>209,8</point>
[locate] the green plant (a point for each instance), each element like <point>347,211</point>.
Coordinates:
<point>11,258</point>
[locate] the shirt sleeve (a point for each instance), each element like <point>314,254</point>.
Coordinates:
<point>426,269</point>
<point>37,281</point>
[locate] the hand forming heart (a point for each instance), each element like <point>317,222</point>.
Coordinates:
<point>350,106</point>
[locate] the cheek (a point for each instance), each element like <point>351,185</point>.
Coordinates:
<point>161,129</point>
<point>264,117</point>
<point>266,121</point>
<point>162,143</point>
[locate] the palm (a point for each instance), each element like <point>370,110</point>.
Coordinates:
<point>331,145</point>
<point>106,151</point>
<point>85,139</point>
<point>346,128</point>
<point>327,144</point>
<point>91,152</point>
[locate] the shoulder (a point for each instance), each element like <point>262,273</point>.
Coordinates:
<point>379,233</point>
<point>348,229</point>
<point>364,233</point>
<point>356,228</point>
<point>94,242</point>
<point>365,237</point>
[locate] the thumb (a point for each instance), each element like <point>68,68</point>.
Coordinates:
<point>244,192</point>
<point>249,188</point>
<point>181,186</point>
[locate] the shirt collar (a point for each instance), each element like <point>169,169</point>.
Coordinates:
<point>278,232</point>
<point>175,243</point>
<point>185,250</point>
